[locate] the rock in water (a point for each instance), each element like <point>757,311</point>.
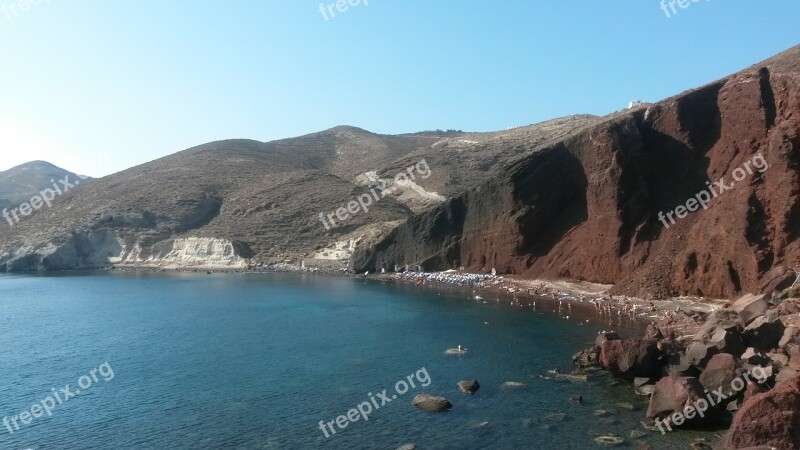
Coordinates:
<point>609,440</point>
<point>468,386</point>
<point>644,386</point>
<point>431,403</point>
<point>455,351</point>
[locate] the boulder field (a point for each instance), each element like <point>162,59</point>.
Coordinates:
<point>738,365</point>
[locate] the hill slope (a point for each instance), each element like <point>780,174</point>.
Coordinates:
<point>587,207</point>
<point>18,184</point>
<point>233,202</point>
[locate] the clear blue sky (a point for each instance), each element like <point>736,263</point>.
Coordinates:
<point>98,86</point>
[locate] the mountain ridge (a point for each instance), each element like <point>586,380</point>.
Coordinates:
<point>574,197</point>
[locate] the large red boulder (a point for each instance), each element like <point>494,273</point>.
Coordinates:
<point>768,419</point>
<point>678,325</point>
<point>630,358</point>
<point>679,401</point>
<point>720,372</point>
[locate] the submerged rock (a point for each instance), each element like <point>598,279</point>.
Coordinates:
<point>587,358</point>
<point>469,386</point>
<point>513,385</point>
<point>636,434</point>
<point>455,351</point>
<point>431,403</point>
<point>644,386</point>
<point>626,406</point>
<point>609,440</point>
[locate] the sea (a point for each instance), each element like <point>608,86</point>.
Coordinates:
<point>163,360</point>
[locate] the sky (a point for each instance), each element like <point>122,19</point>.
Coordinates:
<point>97,86</point>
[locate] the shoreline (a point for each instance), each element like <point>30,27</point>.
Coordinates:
<point>578,291</point>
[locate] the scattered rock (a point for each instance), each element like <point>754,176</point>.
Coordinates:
<point>777,280</point>
<point>680,365</point>
<point>700,444</point>
<point>653,333</point>
<point>673,394</point>
<point>754,357</point>
<point>630,358</point>
<point>587,358</point>
<point>636,434</point>
<point>789,308</point>
<point>749,307</point>
<point>791,335</point>
<point>455,351</point>
<point>609,440</point>
<point>794,355</point>
<point>698,353</point>
<point>726,341</point>
<point>785,374</point>
<point>606,336</point>
<point>431,403</point>
<point>723,318</point>
<point>469,386</point>
<point>626,406</point>
<point>678,325</point>
<point>764,333</point>
<point>644,386</point>
<point>719,372</point>
<point>780,359</point>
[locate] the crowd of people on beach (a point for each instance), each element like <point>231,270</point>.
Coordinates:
<point>461,279</point>
<point>609,307</point>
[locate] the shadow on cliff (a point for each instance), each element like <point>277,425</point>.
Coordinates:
<point>551,191</point>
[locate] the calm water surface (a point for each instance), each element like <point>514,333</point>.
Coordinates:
<point>255,361</point>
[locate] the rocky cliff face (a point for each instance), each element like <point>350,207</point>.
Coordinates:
<point>587,206</point>
<point>102,249</point>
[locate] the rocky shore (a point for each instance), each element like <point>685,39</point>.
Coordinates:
<point>737,365</point>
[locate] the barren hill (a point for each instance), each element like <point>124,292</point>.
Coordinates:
<point>18,184</point>
<point>236,202</point>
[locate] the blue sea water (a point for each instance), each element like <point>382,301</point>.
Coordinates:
<point>256,361</point>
